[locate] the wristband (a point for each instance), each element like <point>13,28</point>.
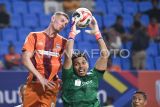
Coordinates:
<point>72,35</point>
<point>98,35</point>
<point>70,39</point>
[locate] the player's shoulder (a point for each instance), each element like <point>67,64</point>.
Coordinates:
<point>37,33</point>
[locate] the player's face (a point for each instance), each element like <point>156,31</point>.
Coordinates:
<point>138,100</point>
<point>59,22</point>
<point>80,65</point>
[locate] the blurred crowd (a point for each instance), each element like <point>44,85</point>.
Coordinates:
<point>138,35</point>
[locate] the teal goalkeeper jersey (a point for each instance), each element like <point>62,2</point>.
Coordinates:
<point>80,91</point>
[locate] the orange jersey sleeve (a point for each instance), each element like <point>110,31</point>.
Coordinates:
<point>29,44</point>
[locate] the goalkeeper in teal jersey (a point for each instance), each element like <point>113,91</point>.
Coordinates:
<point>80,88</point>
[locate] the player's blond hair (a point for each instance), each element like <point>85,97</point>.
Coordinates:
<point>61,13</point>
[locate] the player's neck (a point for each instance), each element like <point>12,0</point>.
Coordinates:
<point>50,32</point>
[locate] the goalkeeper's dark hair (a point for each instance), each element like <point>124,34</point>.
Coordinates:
<point>142,93</point>
<point>79,54</point>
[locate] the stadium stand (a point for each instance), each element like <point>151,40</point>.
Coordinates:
<point>109,20</point>
<point>130,7</point>
<point>99,20</point>
<point>9,34</point>
<point>5,50</point>
<point>144,20</point>
<point>152,49</point>
<point>149,63</point>
<point>20,7</point>
<point>125,63</point>
<point>144,6</point>
<point>44,19</point>
<point>16,20</point>
<point>157,63</point>
<point>35,7</point>
<point>127,20</point>
<point>112,10</point>
<point>22,33</point>
<point>30,20</point>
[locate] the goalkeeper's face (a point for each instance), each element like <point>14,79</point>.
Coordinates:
<point>138,100</point>
<point>59,22</point>
<point>80,66</point>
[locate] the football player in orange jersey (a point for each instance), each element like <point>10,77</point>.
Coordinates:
<point>41,55</point>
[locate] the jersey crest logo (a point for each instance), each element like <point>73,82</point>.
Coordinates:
<point>58,46</point>
<point>77,82</point>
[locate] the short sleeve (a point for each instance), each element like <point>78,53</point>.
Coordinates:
<point>66,73</point>
<point>29,43</point>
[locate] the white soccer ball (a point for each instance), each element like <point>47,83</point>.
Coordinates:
<point>84,16</point>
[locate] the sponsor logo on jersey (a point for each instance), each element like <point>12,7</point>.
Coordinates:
<point>87,82</point>
<point>78,82</point>
<point>48,53</point>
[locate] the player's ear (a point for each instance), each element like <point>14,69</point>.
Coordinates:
<point>52,18</point>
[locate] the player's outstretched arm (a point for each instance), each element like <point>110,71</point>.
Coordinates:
<point>70,43</point>
<point>26,57</point>
<point>101,63</point>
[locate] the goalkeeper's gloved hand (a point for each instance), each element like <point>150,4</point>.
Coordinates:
<point>94,29</point>
<point>74,30</point>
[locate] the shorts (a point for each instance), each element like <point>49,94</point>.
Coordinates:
<point>35,96</point>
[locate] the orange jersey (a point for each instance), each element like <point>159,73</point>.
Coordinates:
<point>47,53</point>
